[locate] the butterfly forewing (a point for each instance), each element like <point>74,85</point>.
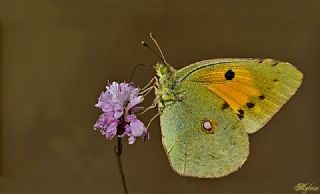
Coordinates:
<point>254,89</point>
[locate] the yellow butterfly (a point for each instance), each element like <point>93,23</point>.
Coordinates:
<point>207,109</point>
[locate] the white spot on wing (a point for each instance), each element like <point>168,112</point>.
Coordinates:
<point>207,125</point>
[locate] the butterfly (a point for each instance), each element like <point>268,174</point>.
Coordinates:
<point>208,109</point>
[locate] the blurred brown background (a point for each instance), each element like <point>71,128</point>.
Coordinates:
<point>56,56</point>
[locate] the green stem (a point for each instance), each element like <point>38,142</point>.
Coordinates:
<point>118,151</point>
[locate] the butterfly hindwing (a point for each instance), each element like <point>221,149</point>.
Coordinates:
<point>254,89</point>
<point>194,150</point>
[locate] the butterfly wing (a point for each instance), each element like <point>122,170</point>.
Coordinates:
<point>193,148</point>
<point>232,96</point>
<point>254,89</point>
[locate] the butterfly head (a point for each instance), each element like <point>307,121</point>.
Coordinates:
<point>164,71</point>
<point>165,84</point>
<point>166,76</point>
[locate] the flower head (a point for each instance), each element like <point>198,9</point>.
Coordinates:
<point>119,104</point>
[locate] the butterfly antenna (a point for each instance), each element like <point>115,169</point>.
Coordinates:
<point>152,50</point>
<point>158,47</point>
<point>134,70</point>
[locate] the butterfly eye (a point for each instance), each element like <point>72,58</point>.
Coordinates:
<point>208,126</point>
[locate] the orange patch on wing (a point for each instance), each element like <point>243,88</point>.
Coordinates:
<point>235,92</point>
<point>218,76</point>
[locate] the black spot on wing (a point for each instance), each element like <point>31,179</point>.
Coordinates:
<point>225,106</point>
<point>240,114</point>
<point>229,75</point>
<point>262,97</point>
<point>275,80</point>
<point>250,105</point>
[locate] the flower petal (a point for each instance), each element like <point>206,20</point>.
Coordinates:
<point>106,107</point>
<point>118,110</point>
<point>100,100</point>
<point>134,93</point>
<point>130,118</point>
<point>127,131</point>
<point>102,121</point>
<point>134,102</point>
<point>137,128</point>
<point>136,109</point>
<point>131,139</point>
<point>111,130</point>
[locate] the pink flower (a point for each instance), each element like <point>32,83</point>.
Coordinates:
<point>119,104</point>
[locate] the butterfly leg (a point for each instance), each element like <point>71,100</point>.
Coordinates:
<point>155,116</point>
<point>151,84</point>
<point>153,105</point>
<point>148,90</point>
